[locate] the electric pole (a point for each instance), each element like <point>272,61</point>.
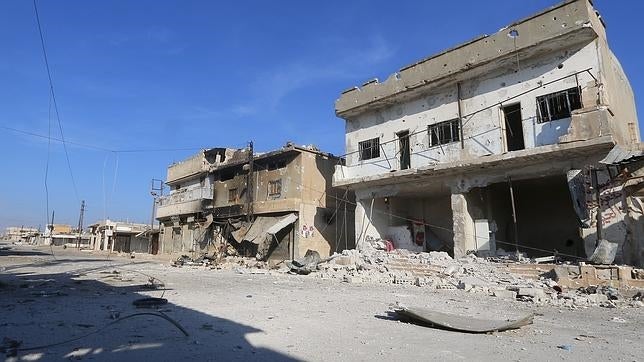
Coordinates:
<point>51,227</point>
<point>156,190</point>
<point>80,224</point>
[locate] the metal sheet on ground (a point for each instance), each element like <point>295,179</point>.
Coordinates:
<point>427,317</point>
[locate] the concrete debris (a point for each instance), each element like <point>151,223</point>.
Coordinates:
<point>504,293</point>
<point>435,270</point>
<point>202,260</point>
<point>307,264</point>
<point>240,264</point>
<point>604,253</point>
<point>467,324</point>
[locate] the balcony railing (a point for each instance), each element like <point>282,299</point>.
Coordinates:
<point>180,196</point>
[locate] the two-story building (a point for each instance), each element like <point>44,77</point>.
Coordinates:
<point>274,205</point>
<point>478,147</point>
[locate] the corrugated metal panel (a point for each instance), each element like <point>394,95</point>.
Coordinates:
<point>262,226</point>
<point>620,155</point>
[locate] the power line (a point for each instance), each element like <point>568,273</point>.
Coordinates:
<point>49,139</point>
<point>53,97</point>
<point>100,148</point>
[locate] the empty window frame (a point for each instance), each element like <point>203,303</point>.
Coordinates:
<point>228,174</point>
<point>369,149</point>
<point>232,195</point>
<point>275,188</point>
<point>276,165</point>
<point>444,132</point>
<point>558,105</point>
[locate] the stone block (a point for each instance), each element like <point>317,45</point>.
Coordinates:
<point>344,260</point>
<point>597,298</point>
<point>504,294</point>
<point>534,293</point>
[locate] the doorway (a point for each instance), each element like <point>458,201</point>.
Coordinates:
<point>403,142</point>
<point>513,127</point>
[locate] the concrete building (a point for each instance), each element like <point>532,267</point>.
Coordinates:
<point>21,233</point>
<point>63,235</point>
<point>477,148</point>
<point>292,207</point>
<point>121,236</point>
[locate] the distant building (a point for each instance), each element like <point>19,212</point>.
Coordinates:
<point>120,236</point>
<point>64,235</point>
<point>290,208</point>
<point>21,234</point>
<point>496,143</point>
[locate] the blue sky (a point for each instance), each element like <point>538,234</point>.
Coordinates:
<point>148,75</point>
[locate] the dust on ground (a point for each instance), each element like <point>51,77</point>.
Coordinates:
<point>253,314</point>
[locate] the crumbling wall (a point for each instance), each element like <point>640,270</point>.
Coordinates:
<point>621,217</point>
<point>617,94</point>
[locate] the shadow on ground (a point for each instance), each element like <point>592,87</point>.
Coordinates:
<point>40,309</point>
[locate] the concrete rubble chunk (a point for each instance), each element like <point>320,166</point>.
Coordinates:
<point>535,293</point>
<point>505,294</point>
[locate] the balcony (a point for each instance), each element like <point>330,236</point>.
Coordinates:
<point>182,202</point>
<point>192,166</point>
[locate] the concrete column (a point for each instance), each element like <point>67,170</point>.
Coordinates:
<point>360,221</point>
<point>463,225</point>
<point>368,220</point>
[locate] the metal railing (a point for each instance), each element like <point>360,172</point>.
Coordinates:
<point>186,195</point>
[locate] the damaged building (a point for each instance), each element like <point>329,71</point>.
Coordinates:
<point>121,237</point>
<point>496,144</point>
<point>290,209</point>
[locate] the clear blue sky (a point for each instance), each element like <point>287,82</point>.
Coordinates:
<point>197,74</point>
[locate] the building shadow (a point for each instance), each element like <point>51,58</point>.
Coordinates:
<point>92,313</point>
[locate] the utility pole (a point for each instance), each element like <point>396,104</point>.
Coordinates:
<point>80,224</point>
<point>51,227</point>
<point>156,190</point>
<point>249,183</point>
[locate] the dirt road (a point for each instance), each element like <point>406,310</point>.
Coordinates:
<point>245,316</point>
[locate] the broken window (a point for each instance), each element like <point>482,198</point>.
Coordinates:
<point>444,132</point>
<point>369,149</point>
<point>558,105</point>
<point>276,165</point>
<point>232,195</point>
<point>226,175</point>
<point>275,188</point>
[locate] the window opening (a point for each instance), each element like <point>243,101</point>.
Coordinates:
<point>558,105</point>
<point>444,132</point>
<point>369,149</point>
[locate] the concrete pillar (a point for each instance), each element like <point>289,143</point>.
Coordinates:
<point>368,221</point>
<point>463,225</point>
<point>360,221</point>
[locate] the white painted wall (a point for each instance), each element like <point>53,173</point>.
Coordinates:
<point>484,131</point>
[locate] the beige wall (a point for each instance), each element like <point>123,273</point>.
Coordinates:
<point>617,94</point>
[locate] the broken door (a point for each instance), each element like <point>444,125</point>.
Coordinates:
<point>513,127</point>
<point>403,141</point>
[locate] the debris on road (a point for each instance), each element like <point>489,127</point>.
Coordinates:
<point>430,318</point>
<point>149,302</point>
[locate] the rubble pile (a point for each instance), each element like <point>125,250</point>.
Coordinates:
<point>237,263</point>
<point>437,270</point>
